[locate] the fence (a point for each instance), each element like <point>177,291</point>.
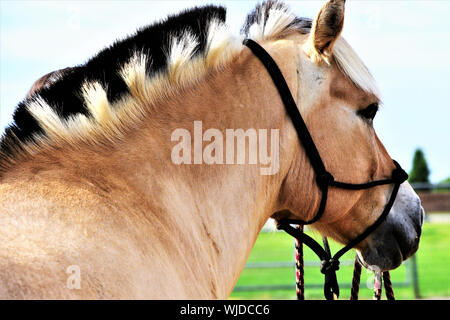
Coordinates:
<point>432,201</point>
<point>411,277</point>
<point>435,198</point>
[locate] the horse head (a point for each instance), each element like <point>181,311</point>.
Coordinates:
<point>338,98</point>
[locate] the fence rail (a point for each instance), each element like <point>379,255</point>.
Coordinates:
<point>424,186</point>
<point>432,202</point>
<point>435,197</point>
<point>410,279</point>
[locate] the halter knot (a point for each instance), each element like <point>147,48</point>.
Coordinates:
<point>331,286</point>
<point>328,266</point>
<point>324,179</point>
<point>399,175</point>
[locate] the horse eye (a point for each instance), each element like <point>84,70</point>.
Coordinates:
<point>369,112</point>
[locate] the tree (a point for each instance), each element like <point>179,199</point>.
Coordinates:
<point>419,171</point>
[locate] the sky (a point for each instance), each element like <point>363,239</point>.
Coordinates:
<point>405,44</point>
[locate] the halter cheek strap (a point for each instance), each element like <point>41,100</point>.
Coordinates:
<point>324,180</point>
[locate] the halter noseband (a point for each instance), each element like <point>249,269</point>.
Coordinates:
<point>324,180</point>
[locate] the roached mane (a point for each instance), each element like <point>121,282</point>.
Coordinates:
<point>100,101</point>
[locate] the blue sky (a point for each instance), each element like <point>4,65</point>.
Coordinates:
<point>406,45</point>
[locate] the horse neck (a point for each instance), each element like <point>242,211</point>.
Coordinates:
<point>206,217</point>
<point>214,212</point>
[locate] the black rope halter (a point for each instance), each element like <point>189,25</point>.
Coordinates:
<point>324,180</point>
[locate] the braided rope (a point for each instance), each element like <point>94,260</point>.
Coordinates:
<point>388,286</point>
<point>299,268</point>
<point>379,277</point>
<point>377,286</point>
<point>356,280</point>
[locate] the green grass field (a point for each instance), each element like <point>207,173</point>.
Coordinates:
<point>433,266</point>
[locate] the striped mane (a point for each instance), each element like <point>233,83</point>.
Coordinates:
<point>100,101</point>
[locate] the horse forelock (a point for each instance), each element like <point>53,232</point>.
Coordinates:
<point>354,68</point>
<point>100,100</point>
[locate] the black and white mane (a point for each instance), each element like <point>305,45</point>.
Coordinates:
<point>108,94</point>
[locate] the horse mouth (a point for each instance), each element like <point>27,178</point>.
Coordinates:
<point>391,244</point>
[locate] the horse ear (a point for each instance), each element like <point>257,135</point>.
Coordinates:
<point>325,31</point>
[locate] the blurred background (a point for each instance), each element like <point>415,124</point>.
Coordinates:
<point>405,44</point>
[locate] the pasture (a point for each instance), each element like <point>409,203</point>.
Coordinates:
<point>433,260</point>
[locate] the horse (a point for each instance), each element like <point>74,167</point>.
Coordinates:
<point>93,205</point>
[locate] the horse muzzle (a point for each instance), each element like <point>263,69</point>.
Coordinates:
<point>397,238</point>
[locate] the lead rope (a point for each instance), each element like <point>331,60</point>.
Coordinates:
<point>384,277</point>
<point>355,280</point>
<point>377,288</point>
<point>299,268</point>
<point>388,286</point>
